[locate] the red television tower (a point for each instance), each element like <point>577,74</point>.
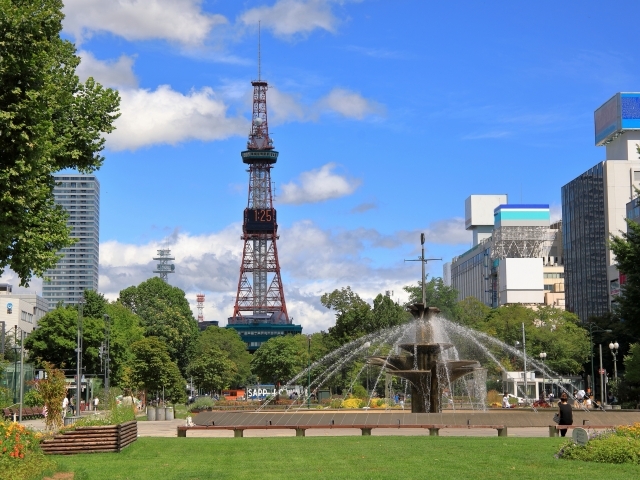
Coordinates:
<point>260,286</point>
<point>200,305</point>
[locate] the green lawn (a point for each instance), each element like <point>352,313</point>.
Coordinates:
<point>339,457</point>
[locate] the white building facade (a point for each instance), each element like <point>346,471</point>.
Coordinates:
<point>516,256</point>
<point>22,310</point>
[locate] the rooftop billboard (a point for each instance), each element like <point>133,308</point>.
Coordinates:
<point>621,112</point>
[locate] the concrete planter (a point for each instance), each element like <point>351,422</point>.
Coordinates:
<point>160,413</point>
<point>168,413</point>
<point>151,413</point>
<point>70,421</point>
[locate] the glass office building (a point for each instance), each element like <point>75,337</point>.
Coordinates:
<point>77,270</point>
<point>584,235</point>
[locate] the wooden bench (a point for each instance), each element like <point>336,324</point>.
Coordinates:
<point>238,430</point>
<point>553,429</point>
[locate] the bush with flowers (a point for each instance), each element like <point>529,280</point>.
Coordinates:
<point>621,445</point>
<point>20,455</point>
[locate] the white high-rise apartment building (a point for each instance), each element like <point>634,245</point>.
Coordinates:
<point>77,270</point>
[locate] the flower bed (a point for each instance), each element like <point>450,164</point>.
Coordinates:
<point>621,445</point>
<point>20,453</point>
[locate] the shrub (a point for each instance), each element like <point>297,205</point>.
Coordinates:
<point>353,403</point>
<point>33,398</point>
<point>336,403</point>
<point>359,392</point>
<point>493,397</point>
<point>202,403</point>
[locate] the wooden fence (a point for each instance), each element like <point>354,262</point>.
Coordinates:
<point>108,438</point>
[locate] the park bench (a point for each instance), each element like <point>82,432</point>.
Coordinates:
<point>238,430</point>
<point>553,429</point>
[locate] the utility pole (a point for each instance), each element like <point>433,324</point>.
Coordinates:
<point>79,357</point>
<point>107,334</point>
<point>601,379</point>
<point>2,339</point>
<point>21,372</point>
<point>524,356</point>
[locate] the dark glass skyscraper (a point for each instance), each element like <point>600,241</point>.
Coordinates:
<point>584,235</point>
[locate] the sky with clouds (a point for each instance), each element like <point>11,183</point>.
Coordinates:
<point>387,115</point>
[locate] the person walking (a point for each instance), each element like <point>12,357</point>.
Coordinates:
<point>566,413</point>
<point>505,401</point>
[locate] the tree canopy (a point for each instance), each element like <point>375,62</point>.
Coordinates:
<point>55,339</point>
<point>213,370</point>
<point>437,295</point>
<point>49,121</point>
<point>226,340</point>
<point>165,313</point>
<point>626,248</point>
<point>355,317</point>
<point>151,368</point>
<point>279,359</point>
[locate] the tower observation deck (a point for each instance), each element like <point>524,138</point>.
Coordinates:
<point>260,298</point>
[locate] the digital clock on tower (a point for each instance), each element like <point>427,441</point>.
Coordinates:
<point>260,220</point>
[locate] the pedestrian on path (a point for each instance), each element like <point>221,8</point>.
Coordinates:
<point>566,413</point>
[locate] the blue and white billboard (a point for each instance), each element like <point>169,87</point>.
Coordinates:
<point>621,112</point>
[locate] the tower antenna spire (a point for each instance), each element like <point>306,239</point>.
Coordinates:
<point>258,50</point>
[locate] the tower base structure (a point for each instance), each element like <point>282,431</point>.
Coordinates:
<point>258,328</point>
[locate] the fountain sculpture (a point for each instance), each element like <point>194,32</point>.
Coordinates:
<point>423,363</point>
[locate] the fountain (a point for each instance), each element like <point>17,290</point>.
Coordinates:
<point>423,363</point>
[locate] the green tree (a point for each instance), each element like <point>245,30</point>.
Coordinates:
<point>227,340</point>
<point>49,121</point>
<point>632,365</point>
<point>437,295</point>
<point>626,248</point>
<point>166,314</point>
<point>125,330</point>
<point>551,330</point>
<point>471,312</point>
<point>95,305</point>
<point>213,370</point>
<point>152,369</point>
<point>279,359</point>
<point>353,315</point>
<point>55,339</point>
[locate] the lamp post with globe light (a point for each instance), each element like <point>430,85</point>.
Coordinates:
<point>543,355</point>
<point>613,346</point>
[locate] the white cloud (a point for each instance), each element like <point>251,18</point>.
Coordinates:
<point>181,21</point>
<point>317,186</point>
<point>110,73</point>
<point>284,107</point>
<point>289,17</point>
<point>11,277</point>
<point>349,104</point>
<point>166,116</point>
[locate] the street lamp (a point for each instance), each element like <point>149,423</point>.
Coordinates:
<point>613,346</point>
<point>543,355</point>
<point>594,328</point>
<point>309,372</point>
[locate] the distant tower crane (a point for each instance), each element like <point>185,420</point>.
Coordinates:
<point>164,268</point>
<point>260,288</point>
<point>200,300</point>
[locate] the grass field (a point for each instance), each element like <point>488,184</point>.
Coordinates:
<point>339,457</point>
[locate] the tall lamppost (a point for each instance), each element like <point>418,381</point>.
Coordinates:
<point>309,372</point>
<point>79,358</point>
<point>543,355</point>
<point>594,328</point>
<point>613,346</point>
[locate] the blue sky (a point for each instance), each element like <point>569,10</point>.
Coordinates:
<point>387,115</point>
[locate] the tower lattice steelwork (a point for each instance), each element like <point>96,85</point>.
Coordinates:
<point>260,286</point>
